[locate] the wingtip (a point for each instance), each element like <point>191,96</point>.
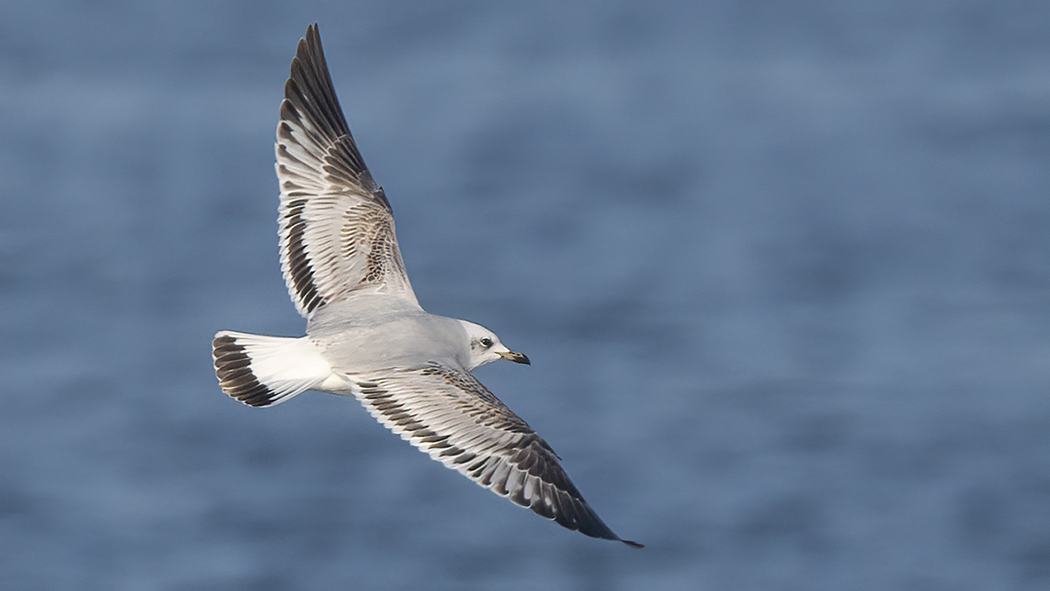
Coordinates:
<point>633,544</point>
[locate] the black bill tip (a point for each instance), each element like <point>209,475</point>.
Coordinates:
<point>516,357</point>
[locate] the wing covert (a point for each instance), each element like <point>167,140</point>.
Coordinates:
<point>447,413</point>
<point>336,227</point>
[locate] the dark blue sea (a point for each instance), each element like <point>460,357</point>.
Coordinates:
<point>783,271</point>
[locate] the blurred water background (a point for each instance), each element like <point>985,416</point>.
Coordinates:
<point>783,271</point>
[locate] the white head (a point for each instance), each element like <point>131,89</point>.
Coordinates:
<point>484,347</point>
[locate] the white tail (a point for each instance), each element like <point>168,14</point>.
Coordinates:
<point>262,371</point>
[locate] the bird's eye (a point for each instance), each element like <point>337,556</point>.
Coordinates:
<point>485,342</point>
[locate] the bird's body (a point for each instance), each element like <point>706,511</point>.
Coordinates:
<point>387,338</point>
<point>367,335</point>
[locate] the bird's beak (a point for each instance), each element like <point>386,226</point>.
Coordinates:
<point>515,357</point>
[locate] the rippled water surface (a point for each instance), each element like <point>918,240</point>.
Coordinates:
<point>783,272</point>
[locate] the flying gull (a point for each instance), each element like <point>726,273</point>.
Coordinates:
<point>366,334</point>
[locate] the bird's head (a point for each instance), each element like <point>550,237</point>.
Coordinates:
<point>485,347</point>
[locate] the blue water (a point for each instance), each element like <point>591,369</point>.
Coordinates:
<point>783,272</point>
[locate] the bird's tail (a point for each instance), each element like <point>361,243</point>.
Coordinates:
<point>261,371</point>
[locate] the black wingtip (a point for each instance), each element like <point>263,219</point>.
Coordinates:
<point>633,544</point>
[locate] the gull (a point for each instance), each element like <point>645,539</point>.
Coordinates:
<point>366,334</point>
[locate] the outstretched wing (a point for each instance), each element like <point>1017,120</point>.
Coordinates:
<point>450,415</point>
<point>336,226</point>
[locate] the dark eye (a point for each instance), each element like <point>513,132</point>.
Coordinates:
<point>485,342</point>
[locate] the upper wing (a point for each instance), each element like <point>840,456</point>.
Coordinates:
<point>336,226</point>
<point>450,415</point>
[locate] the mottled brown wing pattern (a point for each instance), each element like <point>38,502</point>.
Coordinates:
<point>336,226</point>
<point>447,413</point>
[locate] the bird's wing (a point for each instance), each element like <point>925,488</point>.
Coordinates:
<point>447,413</point>
<point>336,226</point>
